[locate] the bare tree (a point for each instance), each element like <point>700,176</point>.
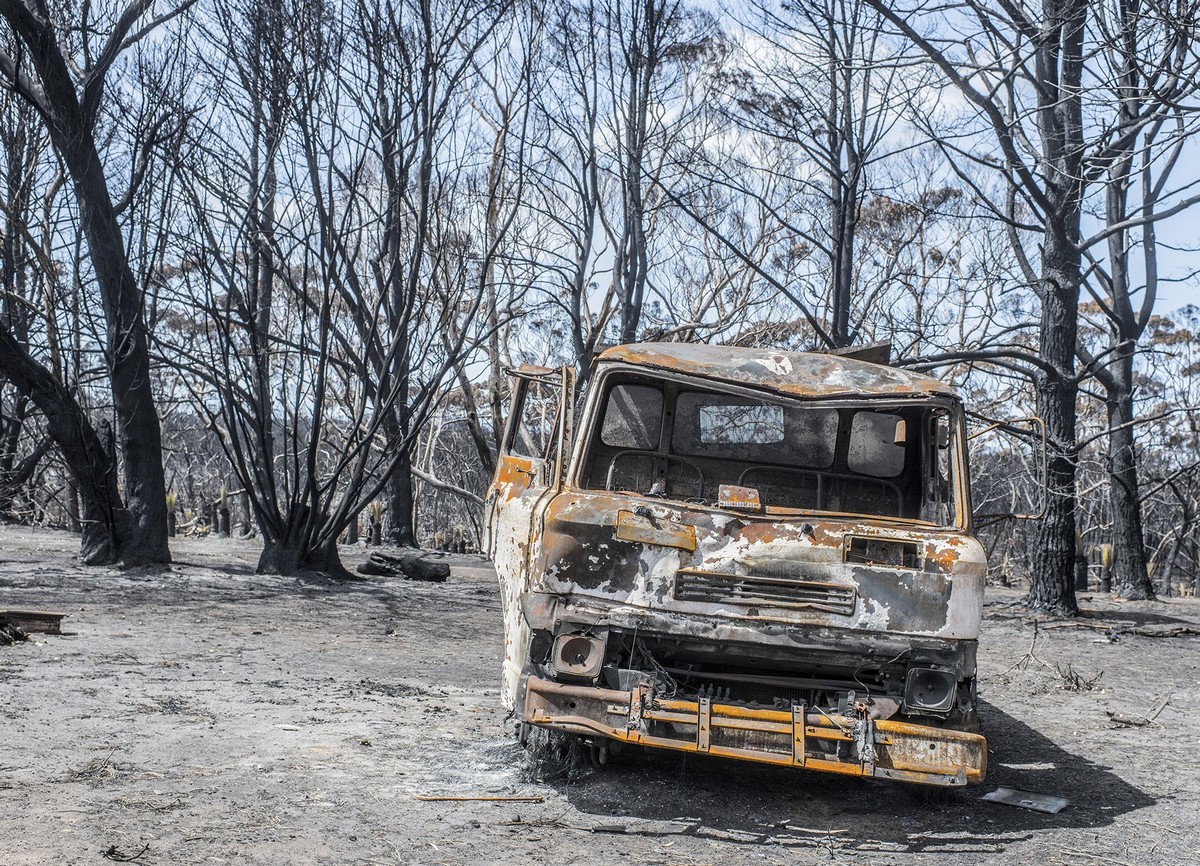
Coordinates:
<point>821,80</point>
<point>1147,72</point>
<point>374,288</point>
<point>62,70</point>
<point>612,103</point>
<point>1020,70</point>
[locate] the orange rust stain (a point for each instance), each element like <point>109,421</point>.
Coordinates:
<point>759,532</point>
<point>514,475</point>
<point>667,533</point>
<point>945,553</point>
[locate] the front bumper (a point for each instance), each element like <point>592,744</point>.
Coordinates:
<point>799,737</point>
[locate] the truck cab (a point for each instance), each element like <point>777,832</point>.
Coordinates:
<point>742,552</point>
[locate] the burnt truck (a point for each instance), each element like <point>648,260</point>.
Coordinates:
<point>747,553</point>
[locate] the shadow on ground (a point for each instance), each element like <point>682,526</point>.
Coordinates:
<point>756,804</point>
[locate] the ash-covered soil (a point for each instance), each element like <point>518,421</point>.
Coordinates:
<point>203,714</point>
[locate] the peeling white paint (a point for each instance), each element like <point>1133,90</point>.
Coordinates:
<point>965,610</point>
<point>778,364</point>
<point>872,615</point>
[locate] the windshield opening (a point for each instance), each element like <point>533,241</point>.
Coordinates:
<point>683,442</point>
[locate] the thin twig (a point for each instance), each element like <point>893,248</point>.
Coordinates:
<point>433,798</point>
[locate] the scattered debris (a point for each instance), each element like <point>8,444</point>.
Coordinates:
<point>1114,630</point>
<point>1165,630</point>
<point>413,565</point>
<point>486,798</point>
<point>1120,720</point>
<point>96,771</point>
<point>34,621</point>
<point>114,853</point>
<point>1073,680</point>
<point>1027,800</point>
<point>10,633</point>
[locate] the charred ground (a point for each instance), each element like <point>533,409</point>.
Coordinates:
<point>214,715</point>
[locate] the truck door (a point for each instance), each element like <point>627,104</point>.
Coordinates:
<point>529,472</point>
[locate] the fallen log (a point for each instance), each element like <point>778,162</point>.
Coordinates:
<point>413,565</point>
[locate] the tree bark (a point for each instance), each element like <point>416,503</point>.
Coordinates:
<point>1053,588</point>
<point>128,356</point>
<point>400,530</point>
<point>1130,574</point>
<point>292,556</point>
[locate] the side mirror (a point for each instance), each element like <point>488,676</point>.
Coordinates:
<point>1008,468</point>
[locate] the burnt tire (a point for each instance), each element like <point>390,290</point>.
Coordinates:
<point>550,755</point>
<point>933,796</point>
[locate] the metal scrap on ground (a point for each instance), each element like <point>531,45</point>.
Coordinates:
<point>1027,800</point>
<point>30,621</point>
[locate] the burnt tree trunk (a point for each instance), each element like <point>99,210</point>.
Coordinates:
<point>1052,588</point>
<point>1059,74</point>
<point>302,548</point>
<point>291,556</point>
<point>399,529</point>
<point>845,182</point>
<point>128,357</point>
<point>1130,574</point>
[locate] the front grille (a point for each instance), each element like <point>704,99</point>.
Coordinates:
<point>752,590</point>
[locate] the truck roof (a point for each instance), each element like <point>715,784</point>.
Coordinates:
<point>798,374</point>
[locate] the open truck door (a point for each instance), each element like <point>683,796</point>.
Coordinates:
<point>1008,468</point>
<point>529,473</point>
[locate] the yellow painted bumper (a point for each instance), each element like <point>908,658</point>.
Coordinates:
<point>797,738</point>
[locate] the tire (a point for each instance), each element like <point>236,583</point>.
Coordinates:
<point>551,755</point>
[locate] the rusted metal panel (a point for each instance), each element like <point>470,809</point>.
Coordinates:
<point>648,530</point>
<point>795,737</point>
<point>798,374</point>
<point>638,562</point>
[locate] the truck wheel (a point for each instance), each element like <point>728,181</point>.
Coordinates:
<point>550,754</point>
<point>933,796</point>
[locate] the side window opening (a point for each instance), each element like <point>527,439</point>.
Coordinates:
<point>536,429</point>
<point>938,499</point>
<point>630,432</point>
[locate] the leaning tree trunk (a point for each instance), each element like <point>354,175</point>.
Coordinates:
<point>105,524</point>
<point>1052,588</point>
<point>70,117</point>
<point>128,356</point>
